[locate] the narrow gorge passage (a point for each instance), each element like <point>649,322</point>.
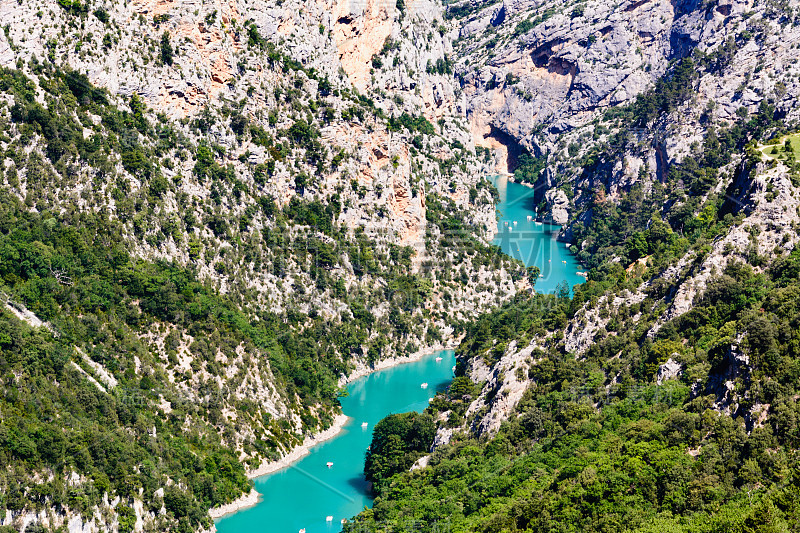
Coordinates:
<point>304,494</point>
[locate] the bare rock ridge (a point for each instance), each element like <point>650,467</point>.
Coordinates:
<point>360,30</point>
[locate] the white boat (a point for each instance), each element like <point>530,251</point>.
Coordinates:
<point>549,260</point>
<point>364,424</point>
<point>344,521</point>
<point>564,262</point>
<point>530,218</point>
<point>541,275</point>
<point>330,464</point>
<point>329,518</point>
<point>438,359</point>
<point>538,223</point>
<point>454,368</point>
<point>505,223</point>
<point>303,530</point>
<point>515,222</point>
<point>424,385</point>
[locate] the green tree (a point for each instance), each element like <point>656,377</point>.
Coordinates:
<point>166,49</point>
<point>398,441</point>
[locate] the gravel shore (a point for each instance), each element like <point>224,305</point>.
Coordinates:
<point>268,467</point>
<point>251,498</point>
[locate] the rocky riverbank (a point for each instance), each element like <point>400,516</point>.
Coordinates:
<point>244,501</point>
<point>268,467</point>
<point>363,369</point>
<point>301,450</point>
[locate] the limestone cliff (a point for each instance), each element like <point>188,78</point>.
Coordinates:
<point>542,76</point>
<point>304,160</point>
<point>582,88</point>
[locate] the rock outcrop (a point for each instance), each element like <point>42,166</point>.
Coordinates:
<point>557,206</point>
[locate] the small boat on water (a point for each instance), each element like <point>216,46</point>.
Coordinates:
<point>530,218</point>
<point>515,222</point>
<point>330,464</point>
<point>438,359</point>
<point>329,518</point>
<point>364,424</point>
<point>303,530</point>
<point>564,262</point>
<point>505,223</point>
<point>344,521</point>
<point>454,368</point>
<point>424,385</point>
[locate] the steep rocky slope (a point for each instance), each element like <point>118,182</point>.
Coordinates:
<point>231,89</point>
<point>542,76</point>
<point>613,143</point>
<point>218,211</point>
<point>662,395</point>
<point>661,100</point>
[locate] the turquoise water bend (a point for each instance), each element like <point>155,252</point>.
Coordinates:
<point>532,243</point>
<point>302,495</point>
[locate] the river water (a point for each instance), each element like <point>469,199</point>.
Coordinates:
<point>304,494</point>
<point>533,243</point>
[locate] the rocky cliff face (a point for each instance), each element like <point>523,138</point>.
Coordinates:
<point>540,75</point>
<point>309,161</point>
<point>226,74</point>
<point>565,62</point>
<point>568,83</point>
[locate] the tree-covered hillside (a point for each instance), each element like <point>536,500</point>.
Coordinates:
<point>606,443</point>
<point>661,396</point>
<point>150,354</point>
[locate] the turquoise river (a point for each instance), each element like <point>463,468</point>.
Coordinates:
<point>304,494</point>
<point>532,242</point>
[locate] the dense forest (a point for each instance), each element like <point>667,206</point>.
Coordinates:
<point>597,444</point>
<point>609,441</point>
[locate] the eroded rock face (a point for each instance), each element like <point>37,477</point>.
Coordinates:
<point>567,66</point>
<point>229,52</point>
<point>671,369</point>
<point>539,75</point>
<point>505,383</point>
<point>557,205</point>
<point>360,29</point>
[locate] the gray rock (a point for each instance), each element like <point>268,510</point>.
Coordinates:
<point>557,206</point>
<point>669,370</point>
